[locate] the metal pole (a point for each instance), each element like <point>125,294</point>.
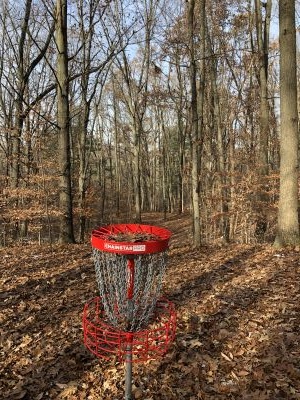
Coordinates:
<point>128,359</point>
<point>128,371</point>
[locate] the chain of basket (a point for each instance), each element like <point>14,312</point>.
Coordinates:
<point>112,279</point>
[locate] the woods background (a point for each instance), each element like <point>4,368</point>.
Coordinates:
<point>109,109</point>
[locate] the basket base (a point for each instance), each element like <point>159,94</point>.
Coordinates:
<point>105,341</point>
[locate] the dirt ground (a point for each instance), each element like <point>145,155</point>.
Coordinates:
<point>238,328</point>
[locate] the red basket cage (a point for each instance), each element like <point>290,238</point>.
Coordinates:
<point>105,341</point>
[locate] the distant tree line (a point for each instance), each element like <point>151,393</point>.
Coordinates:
<point>110,109</point>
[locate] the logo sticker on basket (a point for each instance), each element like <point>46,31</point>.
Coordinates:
<point>125,247</point>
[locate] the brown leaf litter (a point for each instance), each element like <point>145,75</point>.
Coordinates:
<point>238,331</point>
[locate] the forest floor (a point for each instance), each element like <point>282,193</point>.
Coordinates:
<point>238,332</point>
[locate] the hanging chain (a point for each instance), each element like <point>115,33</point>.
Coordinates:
<point>113,278</point>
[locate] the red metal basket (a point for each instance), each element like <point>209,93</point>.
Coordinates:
<point>105,341</point>
<point>145,239</point>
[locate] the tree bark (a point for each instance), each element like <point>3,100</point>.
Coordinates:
<point>194,134</point>
<point>21,85</point>
<point>288,217</point>
<point>262,33</point>
<point>262,29</point>
<point>220,157</point>
<point>86,37</point>
<point>137,132</point>
<point>66,231</point>
<point>179,101</point>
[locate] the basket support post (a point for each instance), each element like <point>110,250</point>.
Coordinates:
<point>128,368</point>
<point>128,359</point>
<point>130,287</point>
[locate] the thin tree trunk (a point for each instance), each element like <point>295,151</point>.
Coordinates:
<point>262,33</point>
<point>136,170</point>
<point>194,137</point>
<point>16,137</point>
<point>220,161</point>
<point>263,28</point>
<point>117,155</point>
<point>19,118</point>
<point>66,232</point>
<point>221,167</point>
<point>82,170</point>
<point>288,219</point>
<point>182,131</point>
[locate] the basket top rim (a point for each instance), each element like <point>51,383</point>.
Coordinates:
<point>130,238</point>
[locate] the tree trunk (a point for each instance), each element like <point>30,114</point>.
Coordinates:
<point>181,131</point>
<point>194,137</point>
<point>66,232</point>
<point>262,33</point>
<point>21,85</point>
<point>136,170</point>
<point>288,219</point>
<point>117,154</point>
<point>220,158</point>
<point>263,28</point>
<point>82,185</point>
<point>221,167</point>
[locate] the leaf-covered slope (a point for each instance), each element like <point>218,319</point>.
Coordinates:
<point>237,337</point>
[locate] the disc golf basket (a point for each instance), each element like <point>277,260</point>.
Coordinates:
<point>129,320</point>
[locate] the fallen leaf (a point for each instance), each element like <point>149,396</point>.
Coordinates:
<point>243,373</point>
<point>226,357</point>
<point>68,391</point>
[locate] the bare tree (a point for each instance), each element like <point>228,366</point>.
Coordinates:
<point>136,93</point>
<point>263,34</point>
<point>63,122</point>
<point>194,117</point>
<point>288,217</point>
<point>23,50</point>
